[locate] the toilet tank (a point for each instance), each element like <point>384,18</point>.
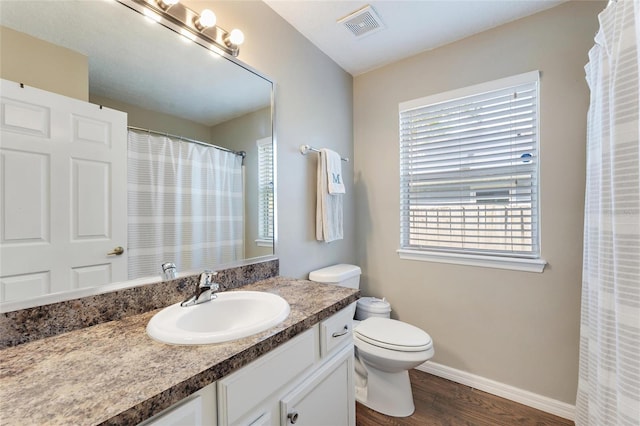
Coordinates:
<point>343,275</point>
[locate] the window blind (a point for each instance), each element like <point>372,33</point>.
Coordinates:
<point>469,170</point>
<point>265,189</point>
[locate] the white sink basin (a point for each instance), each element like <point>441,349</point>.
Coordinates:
<point>232,315</point>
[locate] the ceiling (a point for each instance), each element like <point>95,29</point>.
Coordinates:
<point>97,29</point>
<point>410,26</point>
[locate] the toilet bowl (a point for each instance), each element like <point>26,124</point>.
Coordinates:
<point>385,349</point>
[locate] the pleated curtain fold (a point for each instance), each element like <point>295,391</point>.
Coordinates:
<point>185,205</point>
<point>609,372</point>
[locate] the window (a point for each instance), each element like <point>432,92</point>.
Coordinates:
<point>469,175</point>
<point>265,192</point>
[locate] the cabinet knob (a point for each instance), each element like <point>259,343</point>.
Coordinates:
<point>293,417</point>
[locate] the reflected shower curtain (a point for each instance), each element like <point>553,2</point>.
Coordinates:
<point>185,204</point>
<point>609,375</point>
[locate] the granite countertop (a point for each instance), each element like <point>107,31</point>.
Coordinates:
<point>113,373</point>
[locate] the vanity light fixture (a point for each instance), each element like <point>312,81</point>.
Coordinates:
<point>166,4</point>
<point>188,35</point>
<point>152,15</point>
<point>201,28</point>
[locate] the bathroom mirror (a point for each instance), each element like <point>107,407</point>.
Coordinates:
<point>169,85</point>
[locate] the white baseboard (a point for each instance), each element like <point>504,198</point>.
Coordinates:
<point>542,403</point>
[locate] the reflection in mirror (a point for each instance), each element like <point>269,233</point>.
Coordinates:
<point>192,183</point>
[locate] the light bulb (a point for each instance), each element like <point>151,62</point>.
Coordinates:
<point>207,18</point>
<point>166,4</point>
<point>236,37</point>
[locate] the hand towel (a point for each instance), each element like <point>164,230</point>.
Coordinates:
<point>334,172</point>
<point>328,206</point>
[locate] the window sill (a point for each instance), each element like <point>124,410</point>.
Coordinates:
<point>496,262</point>
<point>264,242</point>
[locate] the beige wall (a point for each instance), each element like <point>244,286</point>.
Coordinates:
<point>241,134</point>
<point>516,328</point>
<point>314,105</point>
<point>157,121</point>
<point>23,59</point>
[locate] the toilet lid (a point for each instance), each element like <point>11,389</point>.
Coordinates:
<point>392,334</point>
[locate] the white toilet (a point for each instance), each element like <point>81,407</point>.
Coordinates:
<point>385,348</point>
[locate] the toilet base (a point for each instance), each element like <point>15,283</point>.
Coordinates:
<point>386,393</point>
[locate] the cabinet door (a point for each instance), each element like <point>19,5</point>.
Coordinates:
<point>247,390</point>
<point>196,410</point>
<point>263,420</point>
<point>186,413</point>
<point>325,398</point>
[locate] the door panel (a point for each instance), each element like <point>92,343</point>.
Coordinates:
<point>91,196</point>
<point>25,117</point>
<point>25,176</point>
<point>26,285</point>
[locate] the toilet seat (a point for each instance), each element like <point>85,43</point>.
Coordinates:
<point>392,334</point>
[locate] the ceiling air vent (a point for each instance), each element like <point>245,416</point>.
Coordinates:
<point>362,22</point>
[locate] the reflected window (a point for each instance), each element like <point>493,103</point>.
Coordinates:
<point>265,192</point>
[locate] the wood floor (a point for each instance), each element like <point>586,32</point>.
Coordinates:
<point>443,402</point>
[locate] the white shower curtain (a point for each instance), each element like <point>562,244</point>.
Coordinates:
<point>185,204</point>
<point>609,375</point>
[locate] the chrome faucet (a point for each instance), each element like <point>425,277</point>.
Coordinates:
<point>168,271</point>
<point>205,291</point>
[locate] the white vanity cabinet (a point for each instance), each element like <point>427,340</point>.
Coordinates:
<point>306,381</point>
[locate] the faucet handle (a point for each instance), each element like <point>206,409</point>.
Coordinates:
<point>206,278</point>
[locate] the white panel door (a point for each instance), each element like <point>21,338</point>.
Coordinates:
<point>63,193</point>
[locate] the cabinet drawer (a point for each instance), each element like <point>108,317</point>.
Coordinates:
<point>242,391</point>
<point>336,331</point>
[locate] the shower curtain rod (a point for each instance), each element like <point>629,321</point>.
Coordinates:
<point>243,154</point>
